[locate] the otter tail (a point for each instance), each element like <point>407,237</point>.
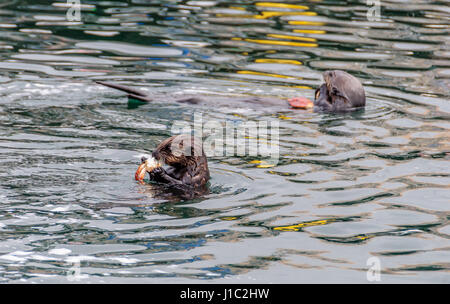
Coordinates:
<point>132,93</point>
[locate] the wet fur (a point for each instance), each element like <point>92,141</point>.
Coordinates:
<point>188,166</point>
<point>341,92</point>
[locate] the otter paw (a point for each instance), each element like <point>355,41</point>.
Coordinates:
<point>158,171</point>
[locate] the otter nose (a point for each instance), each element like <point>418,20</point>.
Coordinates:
<point>144,159</point>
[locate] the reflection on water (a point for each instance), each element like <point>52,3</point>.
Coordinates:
<point>346,187</point>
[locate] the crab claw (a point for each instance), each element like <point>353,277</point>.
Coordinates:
<point>140,172</point>
<point>148,164</point>
<point>301,103</point>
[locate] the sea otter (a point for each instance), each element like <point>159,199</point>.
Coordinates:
<point>188,166</point>
<point>341,92</point>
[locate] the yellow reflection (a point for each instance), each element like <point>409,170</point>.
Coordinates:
<point>282,61</point>
<point>303,87</point>
<point>237,8</point>
<point>284,117</point>
<point>315,23</point>
<point>291,37</point>
<point>265,166</point>
<point>272,10</point>
<point>309,31</point>
<point>297,227</point>
<point>264,74</point>
<point>277,42</point>
<point>364,237</point>
<point>261,164</point>
<point>265,15</point>
<point>228,218</point>
<point>281,5</point>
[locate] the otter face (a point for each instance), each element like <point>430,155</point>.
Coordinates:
<point>179,150</point>
<point>341,92</point>
<point>164,153</point>
<point>322,99</point>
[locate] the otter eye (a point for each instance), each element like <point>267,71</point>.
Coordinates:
<point>317,94</point>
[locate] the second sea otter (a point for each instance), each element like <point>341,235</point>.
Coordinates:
<point>341,92</point>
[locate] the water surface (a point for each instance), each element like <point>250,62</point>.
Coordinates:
<point>346,187</point>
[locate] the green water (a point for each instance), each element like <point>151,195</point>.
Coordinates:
<point>346,187</point>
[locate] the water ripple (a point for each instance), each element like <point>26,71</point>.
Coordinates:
<point>346,187</point>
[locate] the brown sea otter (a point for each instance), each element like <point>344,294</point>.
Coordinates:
<point>188,166</point>
<point>341,92</point>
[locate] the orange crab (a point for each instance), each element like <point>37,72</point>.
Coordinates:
<point>148,164</point>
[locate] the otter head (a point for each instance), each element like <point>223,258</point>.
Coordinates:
<point>179,151</point>
<point>340,92</point>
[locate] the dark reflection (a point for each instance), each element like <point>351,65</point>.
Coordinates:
<point>332,120</point>
<point>135,103</point>
<point>177,209</point>
<point>342,117</point>
<point>174,193</point>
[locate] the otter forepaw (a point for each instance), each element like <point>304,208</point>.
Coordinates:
<point>160,175</point>
<point>157,172</point>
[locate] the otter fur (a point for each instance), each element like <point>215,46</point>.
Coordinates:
<point>188,166</point>
<point>341,92</point>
